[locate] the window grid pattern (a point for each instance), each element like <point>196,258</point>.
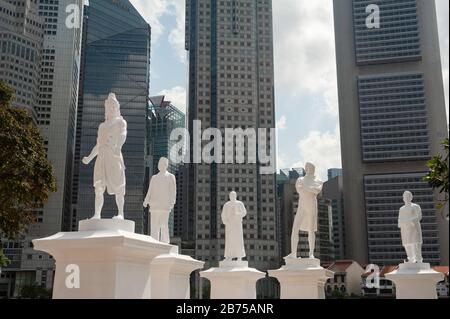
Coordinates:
<point>396,40</point>
<point>393,117</point>
<point>383,198</point>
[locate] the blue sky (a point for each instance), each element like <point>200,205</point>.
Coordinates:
<point>305,73</point>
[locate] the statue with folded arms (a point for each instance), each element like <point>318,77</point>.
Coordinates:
<point>308,187</point>
<point>109,170</point>
<point>233,213</point>
<point>409,218</point>
<point>161,197</point>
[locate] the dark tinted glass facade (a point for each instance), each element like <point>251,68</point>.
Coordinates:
<point>116,58</point>
<point>396,40</point>
<point>162,119</point>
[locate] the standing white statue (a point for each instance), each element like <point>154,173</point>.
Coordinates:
<point>161,197</point>
<point>109,170</point>
<point>409,218</point>
<point>233,213</point>
<point>308,187</point>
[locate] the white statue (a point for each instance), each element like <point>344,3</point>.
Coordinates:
<point>161,197</point>
<point>409,218</point>
<point>308,187</point>
<point>109,170</point>
<point>232,214</point>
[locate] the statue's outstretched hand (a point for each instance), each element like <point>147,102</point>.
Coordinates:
<point>86,160</point>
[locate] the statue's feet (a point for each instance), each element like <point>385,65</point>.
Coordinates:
<point>311,256</point>
<point>96,217</point>
<point>119,217</point>
<point>291,256</point>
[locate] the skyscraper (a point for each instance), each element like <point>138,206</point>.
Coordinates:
<point>392,117</point>
<point>334,172</point>
<point>163,117</point>
<point>231,85</point>
<point>333,190</point>
<point>21,41</point>
<point>56,113</point>
<point>116,58</point>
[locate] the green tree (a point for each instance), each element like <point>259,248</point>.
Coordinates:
<point>437,176</point>
<point>35,291</point>
<point>26,176</point>
<point>338,294</point>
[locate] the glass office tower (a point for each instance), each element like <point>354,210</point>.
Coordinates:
<point>162,119</point>
<point>115,58</point>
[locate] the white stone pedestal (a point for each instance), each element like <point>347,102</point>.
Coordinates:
<point>302,279</point>
<point>415,281</point>
<point>171,276</point>
<point>106,258</point>
<point>233,280</point>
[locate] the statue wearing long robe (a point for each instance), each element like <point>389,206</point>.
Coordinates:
<point>233,213</point>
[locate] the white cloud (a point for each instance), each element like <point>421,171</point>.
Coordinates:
<point>282,161</point>
<point>305,60</point>
<point>154,10</point>
<point>281,124</point>
<point>177,95</point>
<point>322,149</point>
<point>177,35</point>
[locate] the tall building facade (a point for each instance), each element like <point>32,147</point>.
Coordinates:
<point>334,172</point>
<point>231,85</point>
<point>392,117</point>
<point>21,42</point>
<point>115,58</point>
<point>55,115</point>
<point>163,117</point>
<point>333,190</point>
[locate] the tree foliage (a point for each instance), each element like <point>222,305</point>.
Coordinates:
<point>35,291</point>
<point>437,176</point>
<point>26,176</point>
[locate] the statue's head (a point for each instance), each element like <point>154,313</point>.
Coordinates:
<point>407,197</point>
<point>112,107</point>
<point>163,164</point>
<point>233,196</point>
<point>310,169</point>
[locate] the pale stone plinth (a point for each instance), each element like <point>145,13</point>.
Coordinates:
<point>233,280</point>
<point>113,261</point>
<point>171,276</point>
<point>415,281</point>
<point>302,279</point>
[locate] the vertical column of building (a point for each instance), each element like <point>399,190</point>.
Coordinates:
<point>231,86</point>
<point>267,221</point>
<point>392,117</point>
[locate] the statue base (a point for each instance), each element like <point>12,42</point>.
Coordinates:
<point>106,224</point>
<point>302,278</point>
<point>233,282</point>
<point>233,264</point>
<point>102,261</point>
<point>415,281</point>
<point>171,276</point>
